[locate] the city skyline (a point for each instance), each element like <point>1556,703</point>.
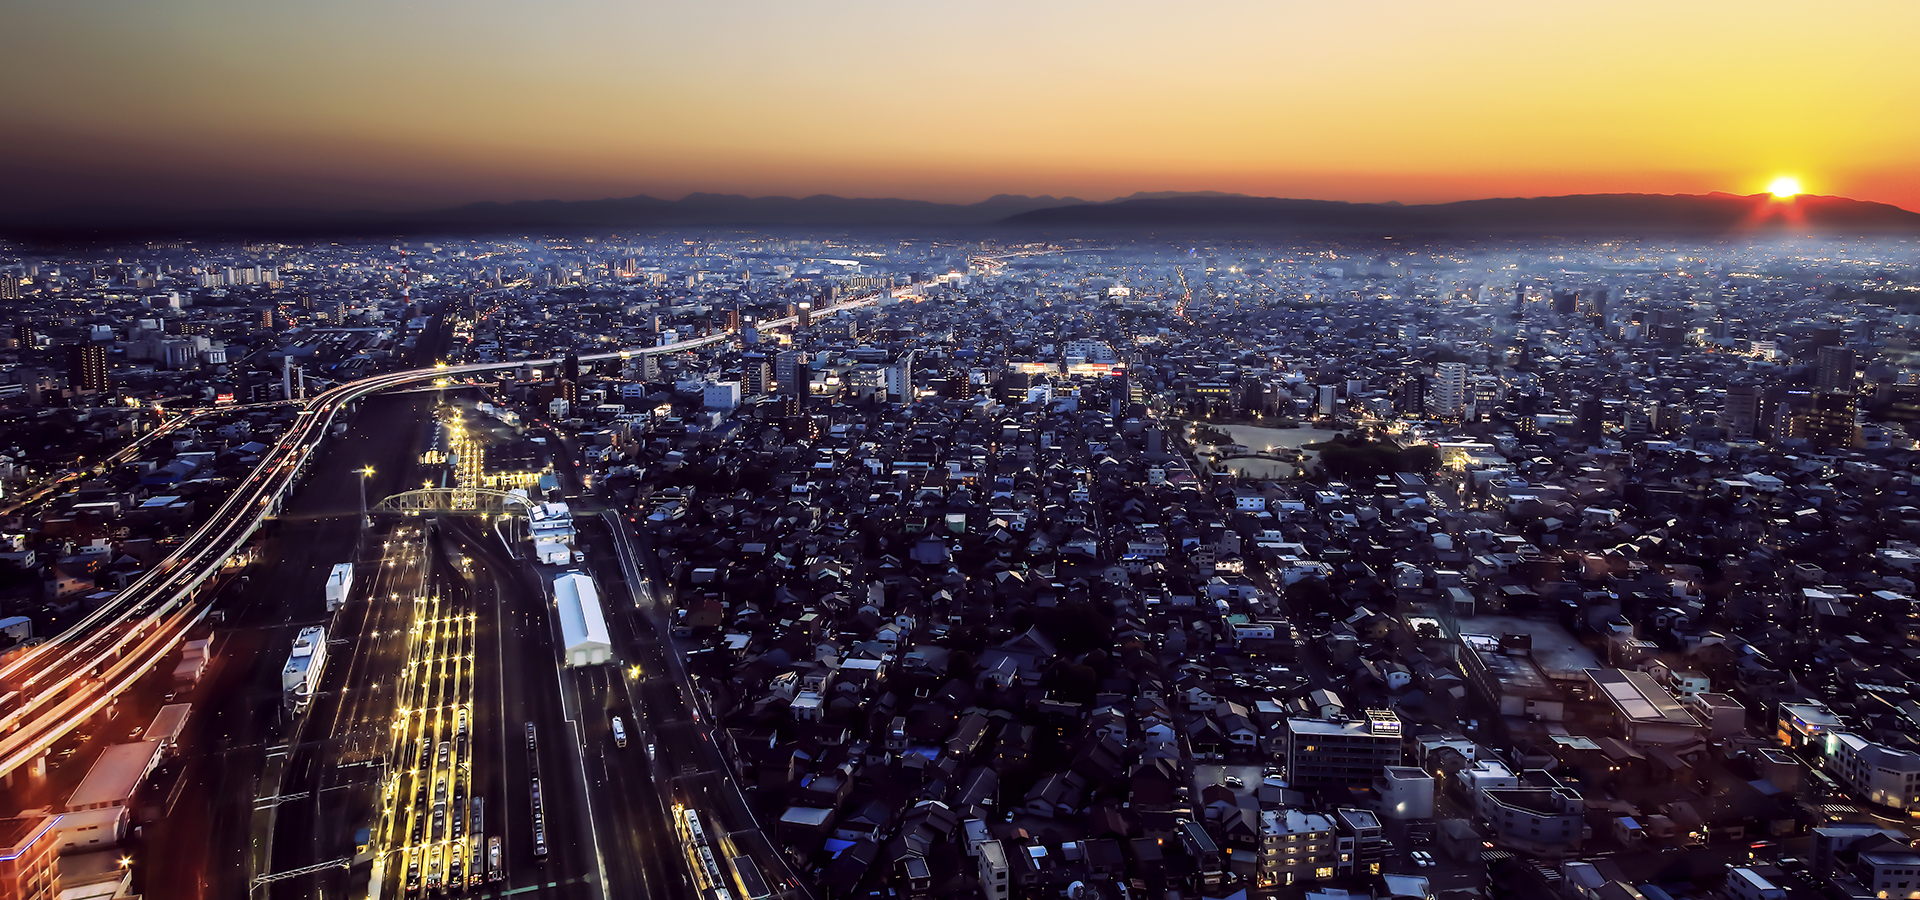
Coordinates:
<point>345,106</point>
<point>777,564</point>
<point>631,450</point>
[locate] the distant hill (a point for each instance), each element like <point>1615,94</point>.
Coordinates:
<point>1574,214</point>
<point>1623,214</point>
<point>691,211</point>
<point>733,209</point>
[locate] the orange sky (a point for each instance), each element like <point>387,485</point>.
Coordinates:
<point>361,104</point>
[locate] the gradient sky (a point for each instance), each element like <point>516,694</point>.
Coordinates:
<point>354,103</point>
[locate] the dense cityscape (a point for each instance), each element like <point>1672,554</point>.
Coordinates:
<point>755,563</point>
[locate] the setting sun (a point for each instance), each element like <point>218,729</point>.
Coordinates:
<point>1785,186</point>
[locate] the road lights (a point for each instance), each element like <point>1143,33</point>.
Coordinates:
<point>366,472</point>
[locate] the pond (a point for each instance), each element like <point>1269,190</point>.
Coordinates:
<point>1267,440</point>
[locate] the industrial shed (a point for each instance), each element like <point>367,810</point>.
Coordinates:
<point>583,626</point>
<point>115,776</point>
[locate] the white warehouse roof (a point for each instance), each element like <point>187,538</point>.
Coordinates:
<point>583,626</point>
<point>115,775</point>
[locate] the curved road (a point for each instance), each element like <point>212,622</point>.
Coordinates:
<point>49,690</point>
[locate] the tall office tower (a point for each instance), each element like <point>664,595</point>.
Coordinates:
<point>9,286</point>
<point>87,367</point>
<point>756,377</point>
<point>1591,423</point>
<point>1564,302</point>
<point>1413,395</point>
<point>733,319</point>
<point>791,373</point>
<point>959,381</point>
<point>1742,410</point>
<point>570,367</point>
<point>1834,370</point>
<point>1519,295</point>
<point>900,379</point>
<point>1828,420</point>
<point>805,315</point>
<point>1449,389</point>
<point>25,336</point>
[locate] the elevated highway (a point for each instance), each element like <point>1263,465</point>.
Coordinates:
<point>48,690</point>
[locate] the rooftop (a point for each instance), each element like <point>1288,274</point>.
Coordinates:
<point>1560,656</point>
<point>1641,699</point>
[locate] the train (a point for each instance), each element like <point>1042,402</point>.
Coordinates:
<point>539,810</point>
<point>707,877</point>
<point>300,679</point>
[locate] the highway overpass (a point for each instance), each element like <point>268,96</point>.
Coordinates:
<point>48,690</point>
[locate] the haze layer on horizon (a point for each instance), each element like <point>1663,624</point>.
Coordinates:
<point>356,104</point>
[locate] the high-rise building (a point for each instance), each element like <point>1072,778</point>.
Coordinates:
<point>1825,421</point>
<point>1449,389</point>
<point>1834,370</point>
<point>1413,395</point>
<point>1742,410</point>
<point>87,367</point>
<point>25,335</point>
<point>792,408</point>
<point>900,378</point>
<point>9,286</point>
<point>791,372</point>
<point>756,377</point>
<point>1591,422</point>
<point>1663,418</point>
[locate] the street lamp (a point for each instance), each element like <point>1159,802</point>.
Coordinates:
<point>365,473</point>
